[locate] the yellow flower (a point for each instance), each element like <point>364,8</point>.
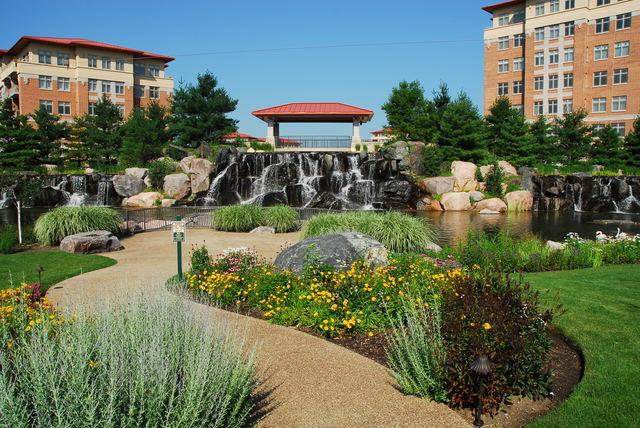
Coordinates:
<point>486,326</point>
<point>370,334</point>
<point>93,364</point>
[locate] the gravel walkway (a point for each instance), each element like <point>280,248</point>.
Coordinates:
<point>311,382</point>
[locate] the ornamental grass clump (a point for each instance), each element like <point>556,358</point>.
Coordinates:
<point>52,227</point>
<point>282,218</point>
<point>237,218</point>
<point>150,362</point>
<point>397,231</point>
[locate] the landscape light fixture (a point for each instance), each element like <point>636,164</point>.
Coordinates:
<point>481,367</point>
<point>39,270</point>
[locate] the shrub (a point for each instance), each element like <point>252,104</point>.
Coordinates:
<point>52,227</point>
<point>148,363</point>
<point>158,169</point>
<point>237,218</point>
<point>497,316</point>
<point>265,147</point>
<point>397,231</point>
<point>8,238</point>
<point>200,259</point>
<point>282,218</point>
<point>493,181</point>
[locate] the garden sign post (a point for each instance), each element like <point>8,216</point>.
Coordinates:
<point>178,233</point>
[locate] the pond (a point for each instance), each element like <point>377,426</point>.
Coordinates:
<point>452,227</point>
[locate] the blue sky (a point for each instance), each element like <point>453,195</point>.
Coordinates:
<point>196,31</point>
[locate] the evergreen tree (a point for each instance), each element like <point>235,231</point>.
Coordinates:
<point>632,146</point>
<point>462,134</point>
<point>606,148</point>
<point>144,136</point>
<point>50,131</point>
<point>543,141</point>
<point>573,136</point>
<point>98,136</point>
<point>508,134</point>
<point>18,140</point>
<point>199,113</point>
<point>405,108</point>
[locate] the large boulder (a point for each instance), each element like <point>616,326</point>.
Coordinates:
<point>464,176</point>
<point>100,241</point>
<point>141,173</point>
<point>127,185</point>
<point>143,200</point>
<point>177,186</point>
<point>520,200</point>
<point>199,171</point>
<point>428,204</point>
<point>456,201</point>
<point>492,204</point>
<point>476,196</point>
<point>508,169</point>
<point>410,154</point>
<point>339,250</point>
<point>436,185</point>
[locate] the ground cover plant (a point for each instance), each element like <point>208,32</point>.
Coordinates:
<point>8,239</point>
<point>246,217</point>
<point>602,317</point>
<point>396,231</point>
<point>148,363</point>
<point>58,266</point>
<point>53,226</point>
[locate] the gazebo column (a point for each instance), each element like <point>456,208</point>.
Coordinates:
<point>355,134</point>
<point>271,132</point>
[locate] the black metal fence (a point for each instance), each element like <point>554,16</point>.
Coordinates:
<point>314,142</point>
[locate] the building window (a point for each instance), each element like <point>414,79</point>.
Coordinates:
<point>597,127</point>
<point>568,80</point>
<point>539,34</point>
<point>503,43</point>
<point>518,64</point>
<point>603,2</point>
<point>64,84</point>
<point>599,105</point>
<point>569,54</point>
<point>554,56</point>
<point>154,70</point>
<point>569,4</point>
<point>503,66</point>
<point>567,106</point>
<point>554,6</point>
<point>503,20</point>
<point>119,88</point>
<point>553,81</point>
<point>44,57</point>
<point>569,28</point>
<point>62,59</point>
<point>600,78</point>
<point>92,61</point>
<point>623,21</point>
<point>106,63</point>
<point>119,64</point>
<point>554,31</point>
<point>64,108</point>
<point>138,68</point>
<point>92,109</point>
<point>154,92</point>
<point>620,76</point>
<point>518,87</point>
<point>619,103</point>
<point>93,85</point>
<point>44,82</point>
<point>518,40</point>
<point>622,49</point>
<point>518,16</point>
<point>601,52</point>
<point>106,86</point>
<point>138,91</point>
<point>120,108</point>
<point>47,104</point>
<point>538,83</point>
<point>538,108</point>
<point>620,127</point>
<point>519,108</point>
<point>553,107</point>
<point>602,25</point>
<point>540,9</point>
<point>539,58</point>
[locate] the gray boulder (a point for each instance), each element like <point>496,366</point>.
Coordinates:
<point>263,229</point>
<point>99,241</point>
<point>339,250</point>
<point>177,186</point>
<point>141,173</point>
<point>127,185</point>
<point>436,185</point>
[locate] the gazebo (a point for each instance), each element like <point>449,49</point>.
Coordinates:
<point>314,113</point>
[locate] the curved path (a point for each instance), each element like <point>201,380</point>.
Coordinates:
<point>312,382</point>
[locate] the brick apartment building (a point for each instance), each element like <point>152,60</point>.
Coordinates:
<point>68,76</point>
<point>555,56</point>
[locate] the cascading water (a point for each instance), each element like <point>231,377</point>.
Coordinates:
<point>102,197</point>
<point>78,190</point>
<point>5,201</point>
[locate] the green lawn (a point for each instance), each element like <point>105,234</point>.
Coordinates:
<point>21,267</point>
<point>603,316</point>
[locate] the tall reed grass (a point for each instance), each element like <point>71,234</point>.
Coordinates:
<point>52,227</point>
<point>245,217</point>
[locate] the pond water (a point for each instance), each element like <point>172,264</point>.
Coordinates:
<point>452,227</point>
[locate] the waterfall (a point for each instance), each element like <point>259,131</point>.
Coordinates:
<point>4,199</point>
<point>61,187</point>
<point>78,191</point>
<point>102,197</point>
<point>213,194</point>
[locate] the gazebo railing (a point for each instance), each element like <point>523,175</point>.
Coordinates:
<point>314,141</point>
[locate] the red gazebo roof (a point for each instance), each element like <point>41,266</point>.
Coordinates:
<point>493,7</point>
<point>314,112</point>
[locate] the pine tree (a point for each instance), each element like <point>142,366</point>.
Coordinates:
<point>199,113</point>
<point>405,108</point>
<point>606,148</point>
<point>632,146</point>
<point>462,134</point>
<point>573,136</point>
<point>544,143</point>
<point>144,136</point>
<point>508,134</point>
<point>50,131</point>
<point>18,140</point>
<point>98,136</point>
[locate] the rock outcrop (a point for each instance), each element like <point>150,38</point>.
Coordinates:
<point>199,171</point>
<point>100,241</point>
<point>464,176</point>
<point>143,200</point>
<point>491,204</point>
<point>436,185</point>
<point>456,201</point>
<point>520,200</point>
<point>127,185</point>
<point>177,186</point>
